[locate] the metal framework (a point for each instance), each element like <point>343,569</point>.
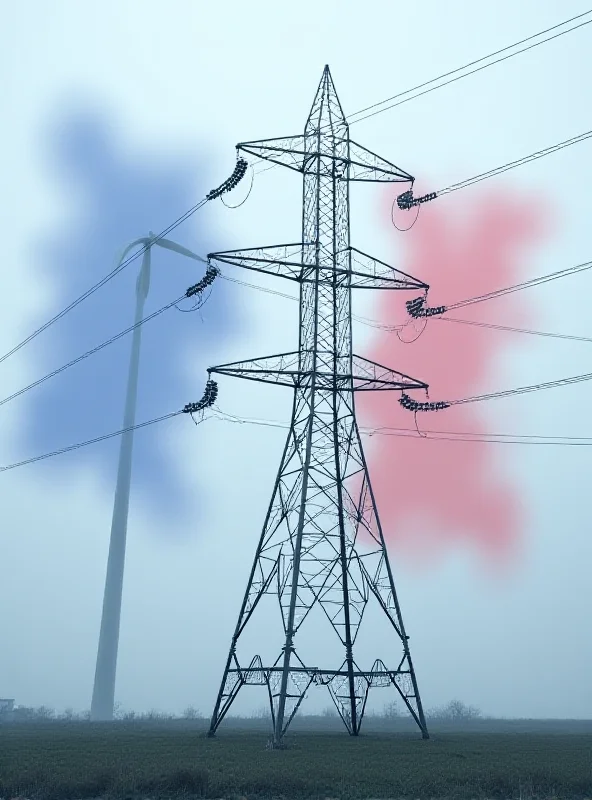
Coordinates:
<point>309,553</point>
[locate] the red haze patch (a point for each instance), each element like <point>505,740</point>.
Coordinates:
<point>437,496</point>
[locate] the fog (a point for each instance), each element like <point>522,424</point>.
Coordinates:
<point>119,118</point>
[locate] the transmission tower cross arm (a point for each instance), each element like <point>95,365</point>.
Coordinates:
<point>368,272</point>
<point>367,166</point>
<point>297,262</point>
<point>284,370</point>
<point>287,151</point>
<point>283,260</point>
<point>370,376</point>
<point>353,162</point>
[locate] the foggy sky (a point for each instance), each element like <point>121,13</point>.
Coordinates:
<point>170,93</point>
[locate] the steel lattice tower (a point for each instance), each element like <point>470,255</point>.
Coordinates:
<point>322,503</point>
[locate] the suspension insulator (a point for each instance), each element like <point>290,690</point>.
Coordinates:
<point>238,174</point>
<point>208,399</point>
<point>432,312</point>
<point>406,200</point>
<point>417,309</point>
<point>413,405</point>
<point>207,280</point>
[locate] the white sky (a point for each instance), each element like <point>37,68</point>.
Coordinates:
<point>181,75</point>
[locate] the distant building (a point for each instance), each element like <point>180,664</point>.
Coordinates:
<point>6,710</point>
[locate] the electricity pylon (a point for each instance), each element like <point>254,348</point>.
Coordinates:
<point>103,697</point>
<point>322,543</point>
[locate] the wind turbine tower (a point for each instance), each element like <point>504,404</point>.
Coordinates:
<point>103,697</point>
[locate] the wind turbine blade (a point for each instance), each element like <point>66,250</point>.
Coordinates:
<point>144,240</point>
<point>177,248</point>
<point>143,282</point>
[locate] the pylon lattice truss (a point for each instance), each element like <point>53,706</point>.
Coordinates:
<point>309,553</point>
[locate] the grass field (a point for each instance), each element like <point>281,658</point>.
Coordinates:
<point>81,760</point>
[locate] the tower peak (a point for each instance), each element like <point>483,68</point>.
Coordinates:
<point>326,111</point>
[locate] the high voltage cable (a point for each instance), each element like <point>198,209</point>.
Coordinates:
<point>104,280</point>
<point>513,164</point>
<point>472,63</point>
<point>537,387</point>
<point>551,276</point>
<point>460,69</point>
<point>474,323</point>
<point>448,189</point>
<point>451,188</point>
<point>228,185</point>
<point>478,299</point>
<point>207,401</point>
<point>92,351</point>
<point>493,438</point>
<point>396,328</point>
<point>261,288</point>
<point>515,330</point>
<point>524,285</point>
<point>499,293</point>
<point>362,320</point>
<point>91,441</point>
<point>492,173</point>
<point>500,438</point>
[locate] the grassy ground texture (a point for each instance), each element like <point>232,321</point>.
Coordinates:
<point>72,761</point>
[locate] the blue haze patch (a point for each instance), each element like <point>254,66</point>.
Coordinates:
<point>121,199</point>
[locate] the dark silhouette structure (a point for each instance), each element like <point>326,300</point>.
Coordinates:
<point>310,554</point>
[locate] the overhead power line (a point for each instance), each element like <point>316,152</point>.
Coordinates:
<point>516,330</point>
<point>97,439</point>
<point>453,436</point>
<point>469,301</point>
<point>470,64</point>
<point>477,324</point>
<point>411,404</point>
<point>551,276</point>
<point>260,288</point>
<point>436,80</point>
<point>537,387</point>
<point>362,320</point>
<point>228,185</point>
<point>119,268</point>
<point>208,399</point>
<point>481,298</point>
<point>231,184</point>
<point>94,350</point>
<point>492,173</point>
<point>513,164</point>
<point>498,438</point>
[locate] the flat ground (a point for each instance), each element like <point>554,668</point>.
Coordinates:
<point>67,761</point>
